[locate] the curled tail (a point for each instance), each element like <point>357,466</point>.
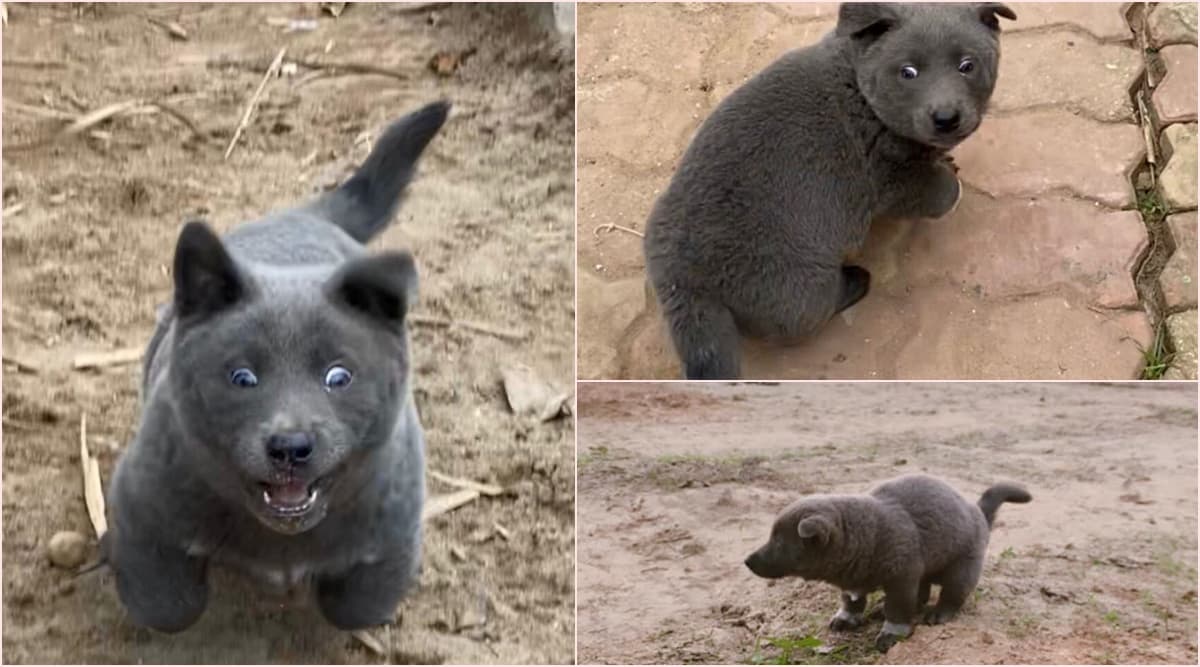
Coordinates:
<point>999,494</point>
<point>365,204</point>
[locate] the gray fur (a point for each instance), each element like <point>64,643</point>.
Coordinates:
<point>295,480</point>
<point>904,536</point>
<point>782,181</point>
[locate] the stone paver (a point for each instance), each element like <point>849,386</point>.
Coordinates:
<point>1030,278</point>
<point>1177,182</point>
<point>1175,96</point>
<point>1022,155</point>
<point>1102,20</point>
<point>1173,23</point>
<point>1178,279</point>
<point>1066,70</point>
<point>1182,328</point>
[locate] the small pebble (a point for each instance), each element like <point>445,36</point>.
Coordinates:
<point>67,549</point>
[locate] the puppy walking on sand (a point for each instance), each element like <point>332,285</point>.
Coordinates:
<point>782,181</point>
<point>904,536</point>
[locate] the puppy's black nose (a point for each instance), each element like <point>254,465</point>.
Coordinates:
<point>290,448</point>
<point>946,121</point>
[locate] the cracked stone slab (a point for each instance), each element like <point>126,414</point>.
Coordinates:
<point>1104,21</point>
<point>1022,155</point>
<point>1066,70</point>
<point>1175,96</point>
<point>1178,278</point>
<point>606,309</point>
<point>1182,329</point>
<point>1177,182</point>
<point>1173,23</point>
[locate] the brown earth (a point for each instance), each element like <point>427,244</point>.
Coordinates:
<point>679,483</point>
<point>489,219</point>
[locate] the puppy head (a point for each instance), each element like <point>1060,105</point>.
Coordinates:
<point>927,70</point>
<point>286,383</point>
<point>804,542</point>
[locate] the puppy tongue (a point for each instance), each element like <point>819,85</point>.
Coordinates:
<point>294,492</point>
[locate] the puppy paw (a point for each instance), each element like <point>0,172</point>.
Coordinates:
<point>844,621</point>
<point>885,641</point>
<point>937,616</point>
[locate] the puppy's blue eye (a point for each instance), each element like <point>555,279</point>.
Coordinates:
<point>337,378</point>
<point>243,377</point>
<point>966,66</point>
<point>908,72</point>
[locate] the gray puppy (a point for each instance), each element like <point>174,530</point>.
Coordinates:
<point>904,536</point>
<point>278,431</point>
<point>782,181</point>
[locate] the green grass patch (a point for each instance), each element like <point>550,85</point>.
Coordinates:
<point>1156,358</point>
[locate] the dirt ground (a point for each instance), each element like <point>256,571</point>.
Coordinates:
<point>90,224</point>
<point>679,483</point>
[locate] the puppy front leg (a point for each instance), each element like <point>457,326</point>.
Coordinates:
<point>368,594</point>
<point>850,616</point>
<point>161,587</point>
<point>920,190</point>
<point>899,610</point>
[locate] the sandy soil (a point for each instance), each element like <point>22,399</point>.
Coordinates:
<point>678,483</point>
<point>85,263</point>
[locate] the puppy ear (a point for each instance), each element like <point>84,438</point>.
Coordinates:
<point>988,12</point>
<point>206,279</point>
<point>381,286</point>
<point>865,20</point>
<point>815,528</point>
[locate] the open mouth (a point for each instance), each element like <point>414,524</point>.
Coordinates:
<point>292,499</point>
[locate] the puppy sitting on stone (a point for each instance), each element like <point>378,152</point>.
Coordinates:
<point>278,433</point>
<point>904,536</point>
<point>782,181</point>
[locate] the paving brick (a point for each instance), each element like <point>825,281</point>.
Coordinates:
<point>1063,69</point>
<point>1175,96</point>
<point>1000,250</point>
<point>1103,20</point>
<point>1023,154</point>
<point>1177,182</point>
<point>1182,329</point>
<point>943,332</point>
<point>606,309</point>
<point>1173,23</point>
<point>1178,279</point>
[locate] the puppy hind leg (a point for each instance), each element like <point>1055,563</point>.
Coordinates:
<point>705,336</point>
<point>957,583</point>
<point>161,587</point>
<point>368,594</point>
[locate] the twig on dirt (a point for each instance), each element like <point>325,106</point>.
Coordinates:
<point>485,489</point>
<point>420,7</point>
<point>608,227</point>
<point>93,494</point>
<point>506,334</point>
<point>253,102</point>
<point>501,531</point>
<point>178,115</point>
<point>330,68</point>
<point>13,210</point>
<point>44,112</point>
<point>370,641</point>
<point>1147,131</point>
<point>128,355</point>
<point>36,64</point>
<point>21,366</point>
<point>91,119</point>
<point>438,505</point>
<point>173,29</point>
